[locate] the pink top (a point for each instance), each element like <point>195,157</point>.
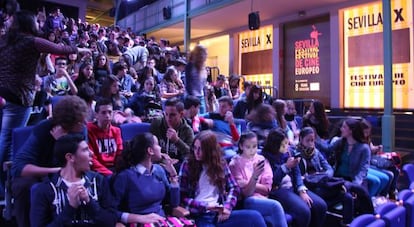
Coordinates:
<point>242,170</point>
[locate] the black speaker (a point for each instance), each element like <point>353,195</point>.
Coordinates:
<point>254,20</point>
<point>166,12</point>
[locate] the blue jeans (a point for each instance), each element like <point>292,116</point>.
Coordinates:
<point>237,218</point>
<point>271,210</point>
<point>302,214</point>
<point>13,116</point>
<point>377,181</point>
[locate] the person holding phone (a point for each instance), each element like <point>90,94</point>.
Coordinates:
<point>254,176</point>
<point>209,190</point>
<point>305,207</point>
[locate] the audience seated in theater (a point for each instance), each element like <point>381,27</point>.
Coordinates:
<point>146,103</point>
<point>352,156</point>
<point>290,119</point>
<point>140,187</point>
<point>101,69</point>
<point>209,190</point>
<point>254,97</point>
<point>104,139</point>
<point>222,124</point>
<point>221,87</point>
<point>74,196</point>
<point>171,86</point>
<point>305,207</point>
<point>317,119</point>
<point>254,176</point>
<point>191,108</point>
<point>392,171</point>
<point>281,109</point>
<point>174,134</point>
<point>313,162</point>
<point>88,95</point>
<point>234,84</point>
<point>42,107</point>
<point>86,77</point>
<point>34,159</point>
<point>260,121</point>
<point>126,82</point>
<point>60,83</point>
<point>110,90</point>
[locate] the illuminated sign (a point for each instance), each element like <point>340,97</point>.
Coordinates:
<point>255,51</point>
<point>363,55</point>
<point>261,39</point>
<point>307,57</point>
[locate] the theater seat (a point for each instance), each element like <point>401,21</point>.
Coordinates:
<point>129,130</point>
<point>367,220</point>
<point>406,197</point>
<point>408,170</point>
<point>392,214</point>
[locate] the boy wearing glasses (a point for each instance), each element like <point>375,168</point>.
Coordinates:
<point>60,83</point>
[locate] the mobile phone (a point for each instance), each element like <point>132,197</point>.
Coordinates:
<point>297,155</point>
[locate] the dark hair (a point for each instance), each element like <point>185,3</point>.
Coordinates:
<point>69,111</point>
<point>251,102</point>
<point>168,74</point>
<point>106,66</point>
<point>190,101</point>
<point>357,130</point>
<point>261,113</point>
<point>135,151</point>
<point>365,124</point>
<point>66,144</point>
<point>61,58</point>
<point>226,99</point>
<point>118,67</point>
<point>176,103</point>
<point>105,90</point>
<point>81,76</point>
<point>279,106</point>
<point>24,22</point>
<point>320,114</point>
<point>86,93</point>
<point>243,137</point>
<point>212,159</point>
<point>102,102</point>
<point>221,77</point>
<point>274,141</point>
<point>305,131</point>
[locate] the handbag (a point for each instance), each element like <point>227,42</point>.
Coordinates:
<point>324,185</point>
<point>381,162</point>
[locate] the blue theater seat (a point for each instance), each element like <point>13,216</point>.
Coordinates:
<point>129,130</point>
<point>367,220</point>
<point>407,198</point>
<point>408,170</point>
<point>392,214</point>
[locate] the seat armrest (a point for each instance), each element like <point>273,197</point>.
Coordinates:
<point>7,165</point>
<point>180,212</point>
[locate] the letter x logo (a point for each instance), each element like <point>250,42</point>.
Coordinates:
<point>268,41</point>
<point>398,16</point>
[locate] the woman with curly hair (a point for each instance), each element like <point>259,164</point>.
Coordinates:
<point>209,190</point>
<point>101,68</point>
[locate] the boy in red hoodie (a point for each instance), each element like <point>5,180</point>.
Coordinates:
<point>104,140</point>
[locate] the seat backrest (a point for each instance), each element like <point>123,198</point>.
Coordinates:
<point>392,214</point>
<point>409,171</point>
<point>19,136</point>
<point>367,220</point>
<point>129,130</point>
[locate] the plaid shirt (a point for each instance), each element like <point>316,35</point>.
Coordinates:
<point>188,192</point>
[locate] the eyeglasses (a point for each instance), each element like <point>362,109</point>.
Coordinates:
<point>61,63</point>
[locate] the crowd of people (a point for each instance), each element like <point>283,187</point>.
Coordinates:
<point>77,83</point>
